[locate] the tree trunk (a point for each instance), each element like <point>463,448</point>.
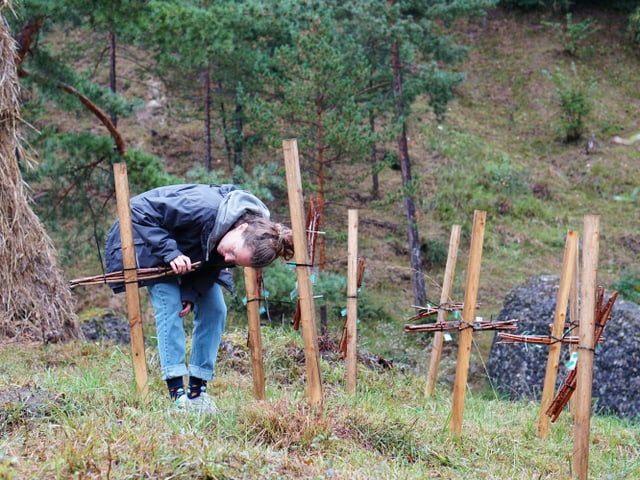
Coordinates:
<point>238,142</point>
<point>417,274</point>
<point>225,131</point>
<point>322,255</point>
<point>207,117</point>
<point>36,301</point>
<point>112,71</point>
<point>375,186</point>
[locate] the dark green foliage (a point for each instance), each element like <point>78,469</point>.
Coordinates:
<point>434,253</point>
<point>628,287</point>
<point>314,80</point>
<point>186,35</point>
<point>280,296</point>
<point>553,5</point>
<point>634,26</point>
<point>48,73</point>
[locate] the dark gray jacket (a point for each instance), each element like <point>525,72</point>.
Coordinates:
<point>183,220</point>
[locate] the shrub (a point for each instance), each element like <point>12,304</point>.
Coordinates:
<point>574,35</point>
<point>575,102</point>
<point>628,287</point>
<point>435,253</point>
<point>280,298</point>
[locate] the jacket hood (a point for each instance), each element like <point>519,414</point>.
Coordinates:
<point>233,206</point>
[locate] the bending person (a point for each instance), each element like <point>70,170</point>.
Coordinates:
<point>178,225</point>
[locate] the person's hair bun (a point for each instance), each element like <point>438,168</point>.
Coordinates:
<point>284,242</point>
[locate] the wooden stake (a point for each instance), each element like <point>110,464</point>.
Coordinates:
<point>131,280</point>
<point>574,313</point>
<point>255,335</point>
<point>352,301</point>
<point>445,295</point>
<point>559,319</point>
<point>468,316</point>
<point>303,268</point>
<point>584,376</point>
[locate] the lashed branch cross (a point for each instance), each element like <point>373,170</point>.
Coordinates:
<point>603,315</point>
<point>447,326</point>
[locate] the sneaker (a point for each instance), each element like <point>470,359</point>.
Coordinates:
<point>202,404</point>
<point>182,402</point>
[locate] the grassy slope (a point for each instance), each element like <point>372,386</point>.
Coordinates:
<point>519,116</point>
<point>69,411</point>
<point>507,110</point>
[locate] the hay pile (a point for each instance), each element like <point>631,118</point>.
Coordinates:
<point>36,302</point>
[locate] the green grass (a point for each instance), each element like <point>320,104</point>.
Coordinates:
<point>70,411</point>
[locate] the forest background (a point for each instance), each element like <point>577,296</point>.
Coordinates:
<point>414,114</point>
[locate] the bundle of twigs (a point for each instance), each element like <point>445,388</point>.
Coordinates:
<point>461,325</point>
<point>424,312</point>
<point>603,315</point>
<point>510,338</point>
<point>118,277</point>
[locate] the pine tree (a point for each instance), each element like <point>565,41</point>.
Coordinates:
<point>73,179</point>
<point>408,53</point>
<point>313,79</point>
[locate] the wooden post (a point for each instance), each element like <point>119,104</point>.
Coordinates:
<point>468,316</point>
<point>303,271</point>
<point>255,336</point>
<point>566,280</point>
<point>323,319</point>
<point>574,313</point>
<point>584,377</point>
<point>445,296</point>
<point>352,301</point>
<point>131,280</point>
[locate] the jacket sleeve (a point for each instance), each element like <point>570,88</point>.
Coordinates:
<point>156,217</point>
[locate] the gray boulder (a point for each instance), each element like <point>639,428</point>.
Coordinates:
<point>106,326</point>
<point>518,369</point>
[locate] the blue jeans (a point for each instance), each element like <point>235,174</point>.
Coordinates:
<point>210,313</point>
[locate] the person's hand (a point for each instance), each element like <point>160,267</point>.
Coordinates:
<point>181,264</point>
<point>187,307</point>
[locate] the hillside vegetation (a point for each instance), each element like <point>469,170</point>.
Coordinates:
<point>500,149</point>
